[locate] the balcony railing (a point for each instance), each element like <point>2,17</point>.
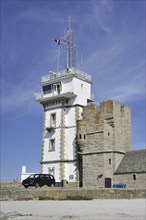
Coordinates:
<point>72,71</point>
<point>38,95</point>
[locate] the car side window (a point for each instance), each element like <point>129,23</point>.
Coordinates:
<point>47,177</point>
<point>36,176</point>
<point>42,176</point>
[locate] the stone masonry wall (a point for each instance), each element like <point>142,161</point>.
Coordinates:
<point>127,179</point>
<point>103,138</point>
<point>119,117</point>
<point>62,194</point>
<point>90,175</point>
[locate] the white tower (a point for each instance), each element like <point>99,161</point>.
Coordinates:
<point>63,97</point>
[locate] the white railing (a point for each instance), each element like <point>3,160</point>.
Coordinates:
<point>79,73</point>
<point>38,95</point>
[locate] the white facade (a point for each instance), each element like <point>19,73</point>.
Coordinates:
<point>24,174</point>
<point>64,94</point>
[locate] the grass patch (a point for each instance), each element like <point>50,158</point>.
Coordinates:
<point>45,198</point>
<point>78,197</point>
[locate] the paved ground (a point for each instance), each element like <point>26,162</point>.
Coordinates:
<point>74,210</point>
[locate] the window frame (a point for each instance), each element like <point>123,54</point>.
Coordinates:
<point>51,145</point>
<point>53,121</point>
<point>51,171</point>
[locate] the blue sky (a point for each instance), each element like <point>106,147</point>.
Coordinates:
<point>111,37</point>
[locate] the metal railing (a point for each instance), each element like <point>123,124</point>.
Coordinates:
<point>71,71</point>
<point>38,95</point>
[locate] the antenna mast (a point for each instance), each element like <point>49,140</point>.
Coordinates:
<point>70,46</point>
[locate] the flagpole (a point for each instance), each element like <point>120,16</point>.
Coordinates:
<point>58,58</point>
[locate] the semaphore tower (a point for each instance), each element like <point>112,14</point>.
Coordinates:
<point>64,94</point>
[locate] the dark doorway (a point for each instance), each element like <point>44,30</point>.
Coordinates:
<point>107,182</point>
<point>80,169</point>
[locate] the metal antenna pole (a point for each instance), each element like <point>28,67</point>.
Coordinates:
<point>69,20</point>
<point>70,46</point>
<point>58,58</point>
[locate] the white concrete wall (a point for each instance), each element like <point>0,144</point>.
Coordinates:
<point>82,90</point>
<point>70,143</point>
<point>24,174</point>
<point>70,172</point>
<point>67,85</point>
<point>52,165</point>
<point>52,155</point>
<point>70,117</point>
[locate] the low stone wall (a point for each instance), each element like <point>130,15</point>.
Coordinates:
<point>46,193</point>
<point>10,185</point>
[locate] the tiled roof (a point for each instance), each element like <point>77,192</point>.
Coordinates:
<point>133,162</point>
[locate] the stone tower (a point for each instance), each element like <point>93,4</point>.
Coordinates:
<point>64,93</point>
<point>104,137</point>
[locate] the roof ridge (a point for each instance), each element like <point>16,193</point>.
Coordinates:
<point>136,150</point>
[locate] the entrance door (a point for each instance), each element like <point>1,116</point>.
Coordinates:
<point>107,182</point>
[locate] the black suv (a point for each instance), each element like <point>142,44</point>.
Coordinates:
<point>39,180</point>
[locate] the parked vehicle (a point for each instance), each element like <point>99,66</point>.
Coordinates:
<point>119,185</point>
<point>39,180</point>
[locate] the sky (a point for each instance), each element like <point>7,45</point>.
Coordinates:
<point>110,38</point>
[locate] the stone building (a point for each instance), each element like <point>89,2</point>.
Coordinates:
<point>103,138</point>
<point>132,169</point>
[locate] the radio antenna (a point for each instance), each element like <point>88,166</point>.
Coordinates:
<point>70,45</point>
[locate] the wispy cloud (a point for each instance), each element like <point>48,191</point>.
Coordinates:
<point>102,11</point>
<point>129,91</point>
<point>112,56</point>
<point>118,65</point>
<point>17,97</point>
<point>39,15</point>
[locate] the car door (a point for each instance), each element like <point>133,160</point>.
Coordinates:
<point>36,179</point>
<point>47,180</point>
<point>42,181</point>
<point>51,180</point>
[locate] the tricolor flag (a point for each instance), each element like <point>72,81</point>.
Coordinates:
<point>57,41</point>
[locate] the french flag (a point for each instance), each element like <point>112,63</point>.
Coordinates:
<point>57,41</point>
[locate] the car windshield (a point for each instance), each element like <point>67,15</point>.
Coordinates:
<point>33,176</point>
<point>51,177</point>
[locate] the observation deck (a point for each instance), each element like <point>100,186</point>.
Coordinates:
<point>65,73</point>
<point>55,86</point>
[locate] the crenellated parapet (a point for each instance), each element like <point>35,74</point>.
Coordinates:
<point>103,137</point>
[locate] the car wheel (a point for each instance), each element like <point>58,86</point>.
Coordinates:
<point>37,185</point>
